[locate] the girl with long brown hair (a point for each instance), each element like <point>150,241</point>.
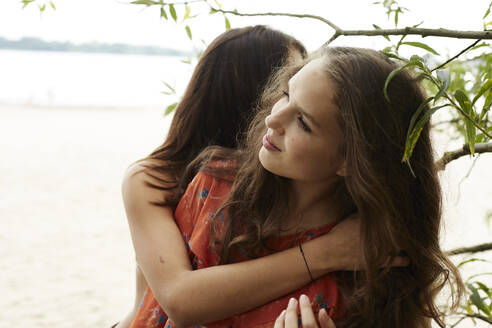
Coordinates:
<point>215,110</point>
<point>327,144</point>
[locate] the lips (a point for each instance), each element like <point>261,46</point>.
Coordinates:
<point>269,145</point>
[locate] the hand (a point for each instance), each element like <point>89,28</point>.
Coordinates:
<point>288,318</point>
<point>345,248</point>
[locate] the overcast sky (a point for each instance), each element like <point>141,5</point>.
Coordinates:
<point>117,21</point>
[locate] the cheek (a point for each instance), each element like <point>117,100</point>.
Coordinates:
<point>314,160</point>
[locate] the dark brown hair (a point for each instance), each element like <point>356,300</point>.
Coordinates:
<point>218,102</point>
<point>399,212</point>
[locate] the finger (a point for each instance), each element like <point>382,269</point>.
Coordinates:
<point>279,323</point>
<point>291,314</point>
<point>307,315</point>
<point>324,320</point>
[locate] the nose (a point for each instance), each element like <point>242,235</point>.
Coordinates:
<point>274,122</point>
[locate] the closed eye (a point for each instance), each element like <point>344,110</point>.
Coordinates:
<point>300,120</point>
<point>303,124</point>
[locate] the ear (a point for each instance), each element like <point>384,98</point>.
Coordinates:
<point>342,170</point>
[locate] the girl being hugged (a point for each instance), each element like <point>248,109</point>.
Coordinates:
<point>326,144</point>
<point>215,110</point>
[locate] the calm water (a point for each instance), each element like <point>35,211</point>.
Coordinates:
<point>80,79</point>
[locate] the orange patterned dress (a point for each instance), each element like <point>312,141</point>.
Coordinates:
<point>193,215</point>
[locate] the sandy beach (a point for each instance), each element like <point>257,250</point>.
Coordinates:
<point>67,259</point>
<point>65,249</point>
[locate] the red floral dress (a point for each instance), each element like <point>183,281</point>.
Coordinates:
<point>193,215</point>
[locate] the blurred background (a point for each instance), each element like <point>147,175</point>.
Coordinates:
<point>72,121</point>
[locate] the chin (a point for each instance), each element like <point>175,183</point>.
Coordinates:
<point>269,163</point>
<point>265,161</point>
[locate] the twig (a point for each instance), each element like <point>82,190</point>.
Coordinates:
<point>454,120</point>
<point>459,54</point>
<point>457,322</point>
<point>424,32</point>
<point>478,316</point>
<point>470,169</point>
<point>471,249</point>
<point>465,150</point>
<point>234,12</point>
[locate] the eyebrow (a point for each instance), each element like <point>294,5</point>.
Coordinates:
<point>303,112</point>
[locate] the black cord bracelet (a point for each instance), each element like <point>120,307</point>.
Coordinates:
<point>305,261</point>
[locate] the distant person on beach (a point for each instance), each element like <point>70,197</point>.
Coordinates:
<point>215,110</point>
<point>324,147</point>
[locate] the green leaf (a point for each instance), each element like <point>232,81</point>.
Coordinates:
<point>186,61</point>
<point>378,28</point>
<point>418,61</point>
<point>481,137</point>
<point>170,108</point>
<point>414,61</point>
<point>466,106</point>
<point>187,12</point>
<point>218,4</point>
<point>172,11</point>
<point>488,11</point>
<point>390,55</point>
<point>443,76</point>
<point>26,2</point>
<point>487,86</point>
<point>483,44</point>
<point>188,32</point>
<point>477,300</point>
<point>52,5</point>
<point>390,77</point>
<point>414,119</point>
<point>227,23</point>
<point>486,106</point>
<point>143,2</point>
<point>471,260</point>
<point>163,13</point>
<point>169,87</point>
<point>422,46</point>
<point>483,287</point>
<point>417,130</point>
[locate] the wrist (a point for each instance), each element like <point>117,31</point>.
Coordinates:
<point>318,256</point>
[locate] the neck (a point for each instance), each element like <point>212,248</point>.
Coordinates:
<point>315,203</point>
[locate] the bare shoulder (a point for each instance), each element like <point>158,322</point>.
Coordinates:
<point>136,187</point>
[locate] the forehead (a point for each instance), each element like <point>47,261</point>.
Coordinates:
<point>311,89</point>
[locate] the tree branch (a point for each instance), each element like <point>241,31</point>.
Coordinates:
<point>234,12</point>
<point>424,32</point>
<point>465,150</point>
<point>471,249</point>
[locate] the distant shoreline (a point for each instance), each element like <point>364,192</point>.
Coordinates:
<point>36,44</point>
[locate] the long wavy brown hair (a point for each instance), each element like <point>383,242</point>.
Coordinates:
<point>218,102</point>
<point>400,213</point>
